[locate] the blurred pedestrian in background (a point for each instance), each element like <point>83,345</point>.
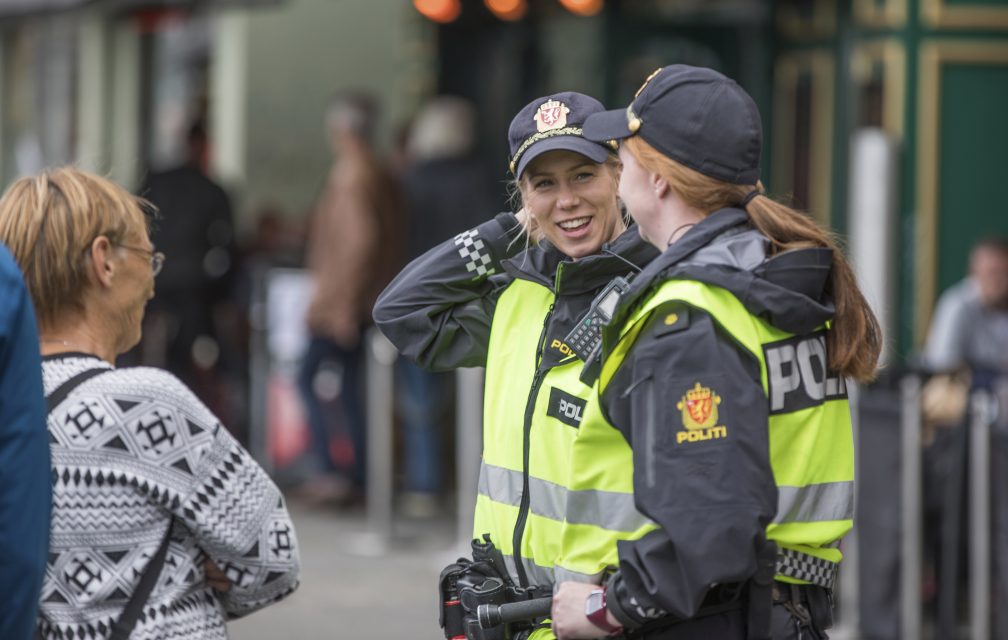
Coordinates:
<point>25,490</point>
<point>966,349</point>
<point>354,248</point>
<point>508,294</point>
<point>970,324</point>
<point>156,508</point>
<point>446,192</point>
<point>196,229</point>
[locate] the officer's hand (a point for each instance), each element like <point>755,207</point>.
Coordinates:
<point>569,620</point>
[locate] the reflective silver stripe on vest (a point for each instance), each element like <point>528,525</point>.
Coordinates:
<point>815,503</point>
<point>606,509</point>
<point>547,499</point>
<point>566,575</point>
<point>537,575</point>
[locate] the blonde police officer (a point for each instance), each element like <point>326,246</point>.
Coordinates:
<point>490,297</point>
<point>723,379</point>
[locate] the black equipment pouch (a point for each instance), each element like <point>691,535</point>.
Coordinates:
<point>451,614</point>
<point>760,594</point>
<point>466,584</point>
<point>487,554</point>
<point>489,590</point>
<point>820,603</point>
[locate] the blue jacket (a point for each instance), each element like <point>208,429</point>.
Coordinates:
<point>25,489</point>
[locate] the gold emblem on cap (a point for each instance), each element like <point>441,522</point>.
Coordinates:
<point>551,114</point>
<point>647,80</point>
<point>633,122</point>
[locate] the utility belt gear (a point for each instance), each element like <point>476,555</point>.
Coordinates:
<point>811,605</point>
<point>720,599</point>
<point>466,584</point>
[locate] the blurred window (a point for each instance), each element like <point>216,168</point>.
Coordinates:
<point>179,46</point>
<point>39,96</point>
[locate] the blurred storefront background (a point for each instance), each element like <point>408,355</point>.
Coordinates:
<point>111,85</point>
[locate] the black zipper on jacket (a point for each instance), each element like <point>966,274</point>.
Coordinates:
<point>523,507</point>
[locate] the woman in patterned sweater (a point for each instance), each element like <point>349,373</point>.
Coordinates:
<point>137,459</point>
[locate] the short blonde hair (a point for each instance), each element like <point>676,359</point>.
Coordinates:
<point>50,220</point>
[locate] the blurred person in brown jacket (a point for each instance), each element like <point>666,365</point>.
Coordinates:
<point>354,250</point>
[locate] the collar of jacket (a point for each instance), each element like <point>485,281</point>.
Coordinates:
<point>695,239</point>
<point>788,289</point>
<point>546,265</point>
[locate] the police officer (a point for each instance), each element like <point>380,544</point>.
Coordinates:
<point>506,295</point>
<point>724,374</point>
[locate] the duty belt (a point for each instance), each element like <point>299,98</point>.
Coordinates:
<point>805,567</point>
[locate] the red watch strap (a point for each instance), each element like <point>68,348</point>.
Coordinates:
<point>598,616</point>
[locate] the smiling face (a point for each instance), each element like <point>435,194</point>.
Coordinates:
<point>573,201</point>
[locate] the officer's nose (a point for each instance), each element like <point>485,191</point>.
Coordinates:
<point>567,198</point>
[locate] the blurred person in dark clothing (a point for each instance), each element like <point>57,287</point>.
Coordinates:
<point>354,250</point>
<point>447,191</point>
<point>447,186</point>
<point>197,230</point>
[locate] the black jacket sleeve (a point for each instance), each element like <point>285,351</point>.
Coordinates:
<point>439,309</point>
<point>706,482</point>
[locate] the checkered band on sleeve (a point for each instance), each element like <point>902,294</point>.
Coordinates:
<point>802,566</point>
<point>474,251</point>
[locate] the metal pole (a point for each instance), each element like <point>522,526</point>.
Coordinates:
<point>468,447</point>
<point>381,357</point>
<point>259,367</point>
<point>981,415</point>
<point>910,481</point>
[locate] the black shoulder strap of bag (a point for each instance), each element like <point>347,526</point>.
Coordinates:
<point>123,627</point>
<point>60,393</point>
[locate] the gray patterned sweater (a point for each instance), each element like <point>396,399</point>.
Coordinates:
<point>134,450</point>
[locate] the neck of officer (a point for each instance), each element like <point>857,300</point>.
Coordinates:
<point>674,220</point>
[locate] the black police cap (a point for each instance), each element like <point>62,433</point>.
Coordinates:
<point>695,116</point>
<point>554,122</point>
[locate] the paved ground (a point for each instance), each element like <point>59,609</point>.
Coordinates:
<point>351,588</point>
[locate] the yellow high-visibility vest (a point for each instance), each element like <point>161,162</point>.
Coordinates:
<point>546,409</point>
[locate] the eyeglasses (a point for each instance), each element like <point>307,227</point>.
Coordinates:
<point>156,257</point>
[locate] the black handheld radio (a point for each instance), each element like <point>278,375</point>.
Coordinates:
<point>585,337</point>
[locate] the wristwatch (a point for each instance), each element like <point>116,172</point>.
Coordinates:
<point>595,611</point>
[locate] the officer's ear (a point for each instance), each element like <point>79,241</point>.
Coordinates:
<point>660,184</point>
